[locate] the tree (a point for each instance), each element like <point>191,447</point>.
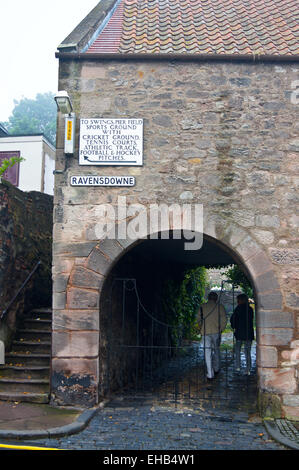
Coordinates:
<point>238,278</point>
<point>8,163</point>
<point>33,116</point>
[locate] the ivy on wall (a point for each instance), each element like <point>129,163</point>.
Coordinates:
<point>181,300</point>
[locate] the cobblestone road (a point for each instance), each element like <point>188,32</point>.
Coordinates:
<point>186,414</point>
<point>142,425</point>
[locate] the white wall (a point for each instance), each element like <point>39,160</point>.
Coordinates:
<point>49,176</point>
<point>39,157</point>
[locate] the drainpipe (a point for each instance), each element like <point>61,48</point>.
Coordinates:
<point>187,57</point>
<point>2,352</point>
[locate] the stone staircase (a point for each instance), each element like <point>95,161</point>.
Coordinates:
<point>25,376</point>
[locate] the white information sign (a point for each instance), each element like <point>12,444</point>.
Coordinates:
<point>111,142</point>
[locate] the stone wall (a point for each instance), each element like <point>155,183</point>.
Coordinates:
<point>216,277</point>
<point>25,238</point>
<point>123,322</point>
<point>221,134</point>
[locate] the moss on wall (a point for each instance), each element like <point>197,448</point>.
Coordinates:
<point>269,405</point>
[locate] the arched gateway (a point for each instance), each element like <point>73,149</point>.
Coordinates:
<point>186,129</point>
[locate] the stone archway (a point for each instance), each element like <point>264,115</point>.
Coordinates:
<point>75,362</point>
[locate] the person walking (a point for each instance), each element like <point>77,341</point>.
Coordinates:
<point>242,324</point>
<point>212,321</point>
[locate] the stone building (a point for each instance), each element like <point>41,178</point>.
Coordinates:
<point>215,86</point>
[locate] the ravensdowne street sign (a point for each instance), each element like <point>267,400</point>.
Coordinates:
<point>111,142</point>
<point>91,180</point>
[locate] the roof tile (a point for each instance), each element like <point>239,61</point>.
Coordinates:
<point>201,26</point>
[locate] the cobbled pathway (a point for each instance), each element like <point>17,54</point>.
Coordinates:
<point>187,413</point>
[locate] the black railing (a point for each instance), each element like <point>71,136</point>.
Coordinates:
<point>147,356</point>
<point>20,290</point>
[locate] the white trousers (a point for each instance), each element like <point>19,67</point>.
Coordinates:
<point>211,344</point>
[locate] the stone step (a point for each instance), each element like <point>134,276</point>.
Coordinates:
<point>38,323</point>
<point>38,318</point>
<point>32,346</point>
<point>24,386</point>
<point>25,377</point>
<point>24,372</point>
<point>18,358</point>
<point>39,314</point>
<point>42,311</point>
<point>25,397</point>
<point>31,334</point>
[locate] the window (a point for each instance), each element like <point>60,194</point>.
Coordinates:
<point>12,174</point>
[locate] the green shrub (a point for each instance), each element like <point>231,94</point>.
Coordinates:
<point>181,302</point>
<point>8,163</point>
<point>239,278</point>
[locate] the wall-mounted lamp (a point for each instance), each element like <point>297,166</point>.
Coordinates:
<point>64,105</point>
<point>63,102</point>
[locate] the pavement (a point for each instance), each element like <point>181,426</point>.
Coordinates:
<point>31,421</point>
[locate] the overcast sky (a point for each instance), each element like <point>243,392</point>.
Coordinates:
<point>30,31</point>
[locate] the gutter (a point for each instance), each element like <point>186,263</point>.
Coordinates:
<point>247,58</point>
<point>274,431</point>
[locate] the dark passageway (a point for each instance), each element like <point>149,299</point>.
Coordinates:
<point>141,355</point>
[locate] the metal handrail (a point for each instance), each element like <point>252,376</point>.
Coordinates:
<point>21,288</point>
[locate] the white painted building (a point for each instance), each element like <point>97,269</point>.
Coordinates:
<point>35,173</point>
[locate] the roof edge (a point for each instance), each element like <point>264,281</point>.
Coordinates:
<point>4,131</point>
<point>254,58</point>
<point>39,134</point>
<point>79,38</point>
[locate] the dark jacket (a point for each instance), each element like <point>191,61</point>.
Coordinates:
<point>242,322</point>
